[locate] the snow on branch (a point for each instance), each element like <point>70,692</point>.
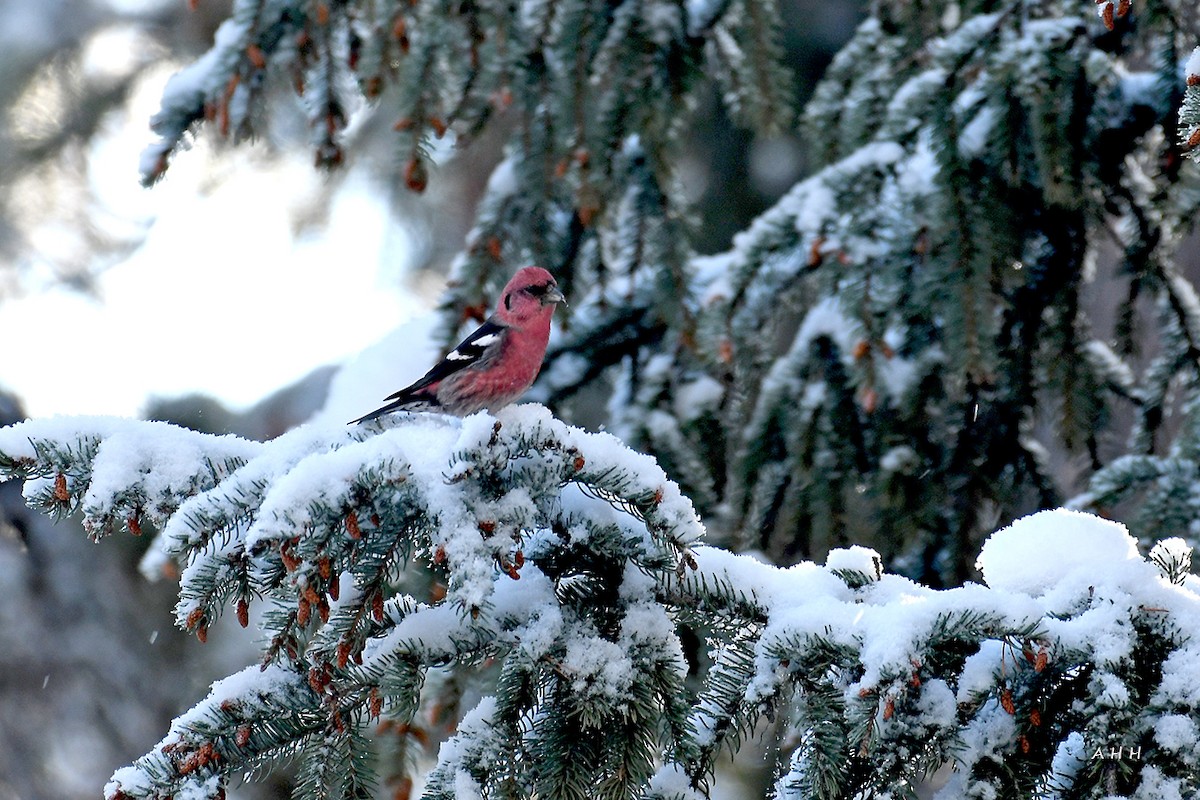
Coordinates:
<point>1022,680</point>
<point>1189,112</point>
<point>574,73</point>
<point>121,473</point>
<point>328,526</point>
<point>901,309</point>
<point>554,567</point>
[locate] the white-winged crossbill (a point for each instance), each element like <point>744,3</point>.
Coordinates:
<point>494,365</point>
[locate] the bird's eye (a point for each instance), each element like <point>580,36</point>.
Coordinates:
<point>538,289</point>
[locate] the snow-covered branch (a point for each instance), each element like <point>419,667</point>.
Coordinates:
<point>1019,683</point>
<point>533,527</point>
<point>557,567</point>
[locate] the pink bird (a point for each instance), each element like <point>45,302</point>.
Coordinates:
<point>494,365</point>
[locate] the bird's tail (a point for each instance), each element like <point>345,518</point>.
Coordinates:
<point>405,402</point>
<point>379,412</point>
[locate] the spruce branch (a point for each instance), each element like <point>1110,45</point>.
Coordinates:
<point>1189,112</point>
<point>326,526</point>
<point>570,563</point>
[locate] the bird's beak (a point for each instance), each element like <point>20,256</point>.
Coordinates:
<point>553,296</point>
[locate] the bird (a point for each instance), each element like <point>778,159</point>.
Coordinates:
<point>493,366</point>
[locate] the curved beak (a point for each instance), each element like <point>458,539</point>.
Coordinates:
<point>553,295</point>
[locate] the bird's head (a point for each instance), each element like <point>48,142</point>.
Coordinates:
<point>531,294</point>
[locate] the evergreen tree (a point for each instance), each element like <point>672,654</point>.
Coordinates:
<point>924,295</point>
<point>529,581</point>
<point>901,353</point>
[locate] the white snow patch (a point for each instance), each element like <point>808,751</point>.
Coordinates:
<point>672,781</point>
<point>1069,758</point>
<point>976,136</point>
<point>1193,63</point>
<point>596,665</point>
<point>979,671</point>
<point>697,397</point>
<point>1110,690</point>
<point>856,559</point>
<point>1036,552</point>
<point>1176,732</point>
<point>701,14</point>
<point>901,459</point>
<point>936,705</point>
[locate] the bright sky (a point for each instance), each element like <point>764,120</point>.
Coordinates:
<point>223,297</point>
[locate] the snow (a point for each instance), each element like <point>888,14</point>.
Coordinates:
<point>937,704</point>
<point>989,735</point>
<point>672,781</point>
<point>901,614</point>
<point>1037,552</point>
<point>325,478</point>
<point>475,733</point>
<point>234,498</point>
<point>976,135</point>
<point>171,461</point>
<point>697,397</point>
<point>1110,690</point>
<point>1181,677</point>
<point>466,787</point>
<point>917,175</point>
<point>712,276</point>
<point>253,689</point>
<point>191,87</point>
<point>665,23</point>
<point>273,492</point>
<point>531,609</point>
<point>1082,610</point>
<point>964,36</point>
<point>19,440</point>
<point>1193,63</point>
<point>647,622</point>
<point>912,92</point>
<point>1176,732</point>
<point>855,559</point>
<point>595,665</point>
<point>1155,785</point>
<point>139,470</point>
<point>1110,365</point>
<point>607,455</point>
<point>1077,581</point>
<point>289,487</point>
<point>504,180</point>
<point>980,670</point>
<point>1172,550</point>
<point>1069,758</point>
<point>765,584</point>
<point>807,207</point>
<point>827,319</point>
<point>254,685</point>
<point>872,154</point>
<point>1102,631</point>
<point>433,631</point>
<point>701,14</point>
<point>900,459</point>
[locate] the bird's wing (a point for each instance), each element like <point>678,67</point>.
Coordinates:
<point>469,351</point>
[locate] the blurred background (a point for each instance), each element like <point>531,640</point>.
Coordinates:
<point>225,299</point>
